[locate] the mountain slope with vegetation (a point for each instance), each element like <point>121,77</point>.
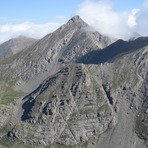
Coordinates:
<point>81,90</point>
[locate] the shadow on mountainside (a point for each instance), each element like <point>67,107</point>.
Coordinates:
<point>28,104</point>
<point>30,100</point>
<point>108,54</point>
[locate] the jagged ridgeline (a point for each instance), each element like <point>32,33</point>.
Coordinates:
<point>75,88</point>
<point>48,55</point>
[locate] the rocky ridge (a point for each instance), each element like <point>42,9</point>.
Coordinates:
<point>15,45</point>
<point>48,55</point>
<point>82,102</point>
<point>100,101</point>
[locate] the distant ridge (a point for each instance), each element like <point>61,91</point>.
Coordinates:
<point>15,45</point>
<point>113,51</point>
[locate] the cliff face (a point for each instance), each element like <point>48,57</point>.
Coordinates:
<point>68,108</point>
<point>94,98</point>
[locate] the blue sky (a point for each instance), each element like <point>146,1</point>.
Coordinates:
<point>124,5</point>
<point>42,11</point>
<point>27,15</point>
<point>38,11</point>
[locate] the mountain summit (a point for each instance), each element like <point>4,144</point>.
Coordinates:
<point>75,88</point>
<point>60,48</point>
<point>76,19</point>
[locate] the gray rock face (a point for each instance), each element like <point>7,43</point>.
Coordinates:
<point>82,102</point>
<point>94,98</point>
<point>15,45</point>
<point>114,51</point>
<point>5,114</point>
<point>58,49</point>
<point>68,108</point>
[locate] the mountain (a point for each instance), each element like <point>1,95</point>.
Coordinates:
<point>95,105</point>
<point>56,50</point>
<point>134,36</point>
<point>113,51</point>
<point>15,45</point>
<point>75,88</point>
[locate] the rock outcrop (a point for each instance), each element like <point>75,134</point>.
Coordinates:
<point>68,108</point>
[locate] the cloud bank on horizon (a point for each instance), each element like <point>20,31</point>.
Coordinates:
<point>100,14</point>
<point>27,29</point>
<point>104,19</point>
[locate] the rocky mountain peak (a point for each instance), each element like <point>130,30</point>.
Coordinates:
<point>58,49</point>
<point>49,100</point>
<point>77,20</point>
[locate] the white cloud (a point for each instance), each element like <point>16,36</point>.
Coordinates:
<point>142,21</point>
<point>132,22</point>
<point>3,18</point>
<point>61,17</point>
<point>101,16</point>
<point>15,19</point>
<point>10,20</point>
<point>28,29</point>
<point>146,3</point>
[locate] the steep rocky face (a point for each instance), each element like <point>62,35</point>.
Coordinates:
<point>104,104</point>
<point>69,107</point>
<point>54,51</point>
<point>15,45</point>
<point>101,102</point>
<point>126,87</point>
<point>113,51</point>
